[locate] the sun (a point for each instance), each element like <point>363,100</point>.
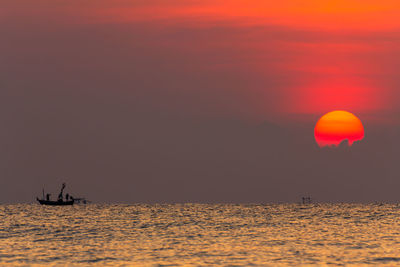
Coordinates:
<point>337,126</point>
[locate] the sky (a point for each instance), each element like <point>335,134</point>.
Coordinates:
<point>197,101</point>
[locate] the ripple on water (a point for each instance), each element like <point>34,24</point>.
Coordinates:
<point>199,234</point>
<point>387,259</point>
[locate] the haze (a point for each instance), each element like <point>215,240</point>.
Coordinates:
<point>197,101</point>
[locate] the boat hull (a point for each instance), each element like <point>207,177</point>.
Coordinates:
<point>55,203</point>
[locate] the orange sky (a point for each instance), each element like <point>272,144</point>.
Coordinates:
<point>328,15</point>
<point>369,14</point>
<point>334,63</point>
<point>326,55</point>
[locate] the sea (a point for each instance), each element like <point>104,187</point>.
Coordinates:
<point>200,235</point>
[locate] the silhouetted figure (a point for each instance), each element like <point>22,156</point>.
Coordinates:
<point>66,197</point>
<point>48,197</point>
<point>60,196</point>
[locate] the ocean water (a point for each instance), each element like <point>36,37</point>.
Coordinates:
<point>200,235</point>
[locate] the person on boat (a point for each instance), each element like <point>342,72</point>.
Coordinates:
<point>66,197</point>
<point>60,196</point>
<point>48,197</point>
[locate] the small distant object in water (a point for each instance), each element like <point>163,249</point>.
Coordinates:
<point>69,200</point>
<point>306,200</point>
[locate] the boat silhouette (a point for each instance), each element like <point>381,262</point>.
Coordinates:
<point>69,200</point>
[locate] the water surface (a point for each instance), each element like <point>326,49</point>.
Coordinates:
<point>200,234</point>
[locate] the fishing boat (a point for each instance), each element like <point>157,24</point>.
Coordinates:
<point>55,203</point>
<point>69,200</point>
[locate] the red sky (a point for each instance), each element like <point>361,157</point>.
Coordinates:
<point>322,55</point>
<point>176,99</point>
<point>336,54</point>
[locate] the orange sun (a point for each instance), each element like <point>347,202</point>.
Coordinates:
<point>337,126</point>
